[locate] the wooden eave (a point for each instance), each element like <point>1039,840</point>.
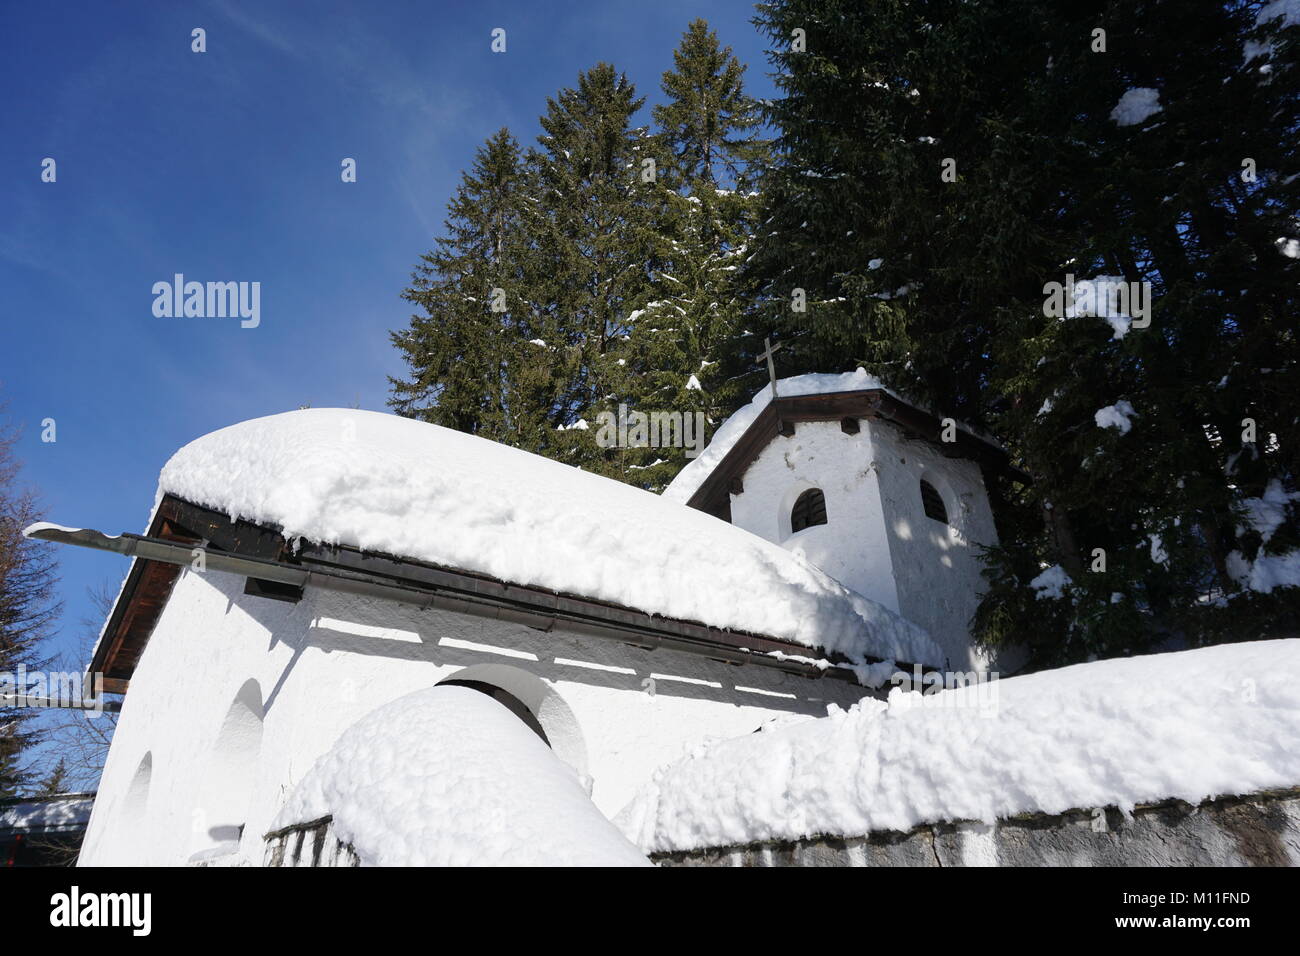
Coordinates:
<point>149,583</point>
<point>149,586</point>
<point>714,494</point>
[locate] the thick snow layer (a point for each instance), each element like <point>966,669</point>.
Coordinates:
<point>1267,513</point>
<point>1275,571</point>
<point>1102,296</point>
<point>447,776</point>
<point>393,485</point>
<point>1288,11</point>
<point>1119,416</point>
<point>1136,106</point>
<point>1051,583</point>
<point>1158,553</point>
<point>1189,725</point>
<point>33,528</point>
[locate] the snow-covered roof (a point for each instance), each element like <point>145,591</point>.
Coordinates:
<point>396,486</point>
<point>66,811</point>
<point>730,433</point>
<point>447,776</point>
<point>1191,725</point>
<point>690,478</point>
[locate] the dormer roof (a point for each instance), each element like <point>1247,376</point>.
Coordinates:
<point>708,482</point>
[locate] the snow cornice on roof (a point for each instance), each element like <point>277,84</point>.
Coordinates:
<point>252,550</point>
<point>426,507</point>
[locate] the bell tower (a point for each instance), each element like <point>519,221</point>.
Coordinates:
<point>865,487</point>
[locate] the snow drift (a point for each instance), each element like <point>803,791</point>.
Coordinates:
<point>407,488</point>
<point>447,776</point>
<point>1190,725</point>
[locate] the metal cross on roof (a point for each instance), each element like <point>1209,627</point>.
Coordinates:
<point>771,366</point>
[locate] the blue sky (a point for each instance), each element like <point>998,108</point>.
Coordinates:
<point>224,166</point>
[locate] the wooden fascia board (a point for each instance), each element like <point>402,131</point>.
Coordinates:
<point>833,406</point>
<point>137,610</point>
<point>149,583</point>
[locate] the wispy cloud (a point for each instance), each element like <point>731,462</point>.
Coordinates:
<point>286,42</point>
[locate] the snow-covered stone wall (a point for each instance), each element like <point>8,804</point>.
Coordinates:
<point>1124,732</point>
<point>236,697</point>
<point>877,539</point>
<point>1261,829</point>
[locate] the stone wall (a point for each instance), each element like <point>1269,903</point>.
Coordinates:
<point>1260,829</point>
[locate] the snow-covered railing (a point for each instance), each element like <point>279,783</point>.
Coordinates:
<point>308,844</point>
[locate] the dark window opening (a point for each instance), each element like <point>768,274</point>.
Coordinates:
<point>809,510</point>
<point>933,503</point>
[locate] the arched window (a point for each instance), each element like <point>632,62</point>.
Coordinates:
<point>809,510</point>
<point>933,503</point>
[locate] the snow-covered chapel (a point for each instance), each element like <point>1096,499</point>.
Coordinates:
<point>443,649</point>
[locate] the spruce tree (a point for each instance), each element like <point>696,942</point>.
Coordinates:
<point>940,163</point>
<point>27,611</point>
<point>689,353</point>
<point>1164,540</point>
<point>708,125</point>
<point>618,251</point>
<point>869,254</point>
<point>466,345</point>
<point>55,782</point>
<point>594,225</point>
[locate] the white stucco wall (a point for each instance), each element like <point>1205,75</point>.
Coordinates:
<point>852,546</point>
<point>936,567</point>
<point>235,698</point>
<point>877,539</point>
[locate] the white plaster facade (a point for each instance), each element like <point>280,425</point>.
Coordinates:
<point>877,539</point>
<point>235,697</point>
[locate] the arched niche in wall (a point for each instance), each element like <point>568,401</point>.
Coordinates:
<point>554,719</point>
<point>135,805</point>
<point>227,787</point>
